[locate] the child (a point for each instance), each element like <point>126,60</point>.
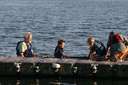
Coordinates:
<point>59,52</point>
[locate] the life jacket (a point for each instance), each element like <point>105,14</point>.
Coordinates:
<point>117,38</point>
<point>100,48</point>
<point>27,53</point>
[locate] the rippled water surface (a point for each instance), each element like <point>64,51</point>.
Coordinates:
<point>50,20</point>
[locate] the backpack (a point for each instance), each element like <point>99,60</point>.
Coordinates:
<point>117,38</point>
<point>17,50</point>
<point>100,48</point>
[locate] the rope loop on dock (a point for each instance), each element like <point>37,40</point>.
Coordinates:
<point>18,66</point>
<point>36,67</point>
<point>94,68</point>
<point>74,68</point>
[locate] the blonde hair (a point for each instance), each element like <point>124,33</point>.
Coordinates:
<point>28,36</point>
<point>90,41</point>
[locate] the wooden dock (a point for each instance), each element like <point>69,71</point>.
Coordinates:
<point>13,66</point>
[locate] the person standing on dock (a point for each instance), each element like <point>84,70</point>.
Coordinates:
<point>24,48</point>
<point>97,49</point>
<point>59,50</point>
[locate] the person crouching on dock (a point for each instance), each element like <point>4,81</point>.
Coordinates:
<point>24,48</point>
<point>97,49</point>
<point>59,50</point>
<point>117,47</point>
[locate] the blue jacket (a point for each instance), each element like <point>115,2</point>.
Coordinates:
<point>59,52</point>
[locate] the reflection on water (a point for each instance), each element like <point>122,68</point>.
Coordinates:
<point>64,81</point>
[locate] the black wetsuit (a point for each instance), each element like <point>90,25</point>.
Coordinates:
<point>59,52</point>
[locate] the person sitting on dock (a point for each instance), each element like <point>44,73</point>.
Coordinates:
<point>97,49</point>
<point>116,47</point>
<point>59,50</point>
<point>24,48</point>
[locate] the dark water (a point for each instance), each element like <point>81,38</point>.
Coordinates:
<point>50,20</point>
<point>52,81</point>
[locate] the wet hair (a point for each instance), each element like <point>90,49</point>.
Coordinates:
<point>60,41</point>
